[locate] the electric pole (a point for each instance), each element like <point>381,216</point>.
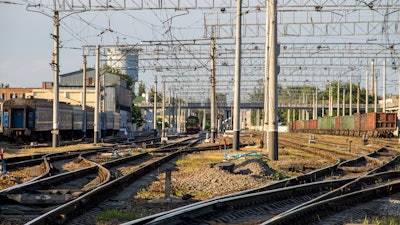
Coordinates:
<point>56,69</point>
<point>236,104</point>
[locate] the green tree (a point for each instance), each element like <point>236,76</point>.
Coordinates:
<point>137,116</point>
<point>257,96</point>
<point>220,98</point>
<point>2,85</point>
<point>159,123</point>
<point>159,96</point>
<point>109,69</point>
<point>345,86</point>
<point>141,88</point>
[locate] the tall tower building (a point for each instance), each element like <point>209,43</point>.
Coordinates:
<point>125,59</point>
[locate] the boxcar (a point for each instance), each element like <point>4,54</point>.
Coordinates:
<point>377,124</point>
<point>110,123</point>
<point>32,120</point>
<point>29,118</point>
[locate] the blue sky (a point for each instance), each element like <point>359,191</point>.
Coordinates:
<point>26,44</point>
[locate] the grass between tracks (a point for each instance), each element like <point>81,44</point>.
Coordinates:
<point>141,205</point>
<point>383,220</point>
<point>187,165</point>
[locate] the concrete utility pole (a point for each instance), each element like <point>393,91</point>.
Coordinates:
<point>358,97</point>
<point>84,121</point>
<point>338,99</point>
<point>384,86</point>
<point>398,108</point>
<point>170,109</point>
<point>236,105</point>
<point>303,111</point>
<point>266,83</point>
<point>366,91</point>
<point>174,126</point>
<point>203,125</point>
<point>315,102</point>
<point>322,108</point>
<point>330,109</point>
<point>273,82</point>
<point>351,96</point>
<point>376,95</point>
<point>155,104</point>
<point>344,103</point>
<point>213,97</point>
<point>97,97</point>
<point>163,112</point>
<point>179,117</point>
<point>372,78</point>
<point>56,70</point>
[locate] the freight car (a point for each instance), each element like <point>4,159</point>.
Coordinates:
<point>192,125</point>
<point>377,124</point>
<point>32,120</point>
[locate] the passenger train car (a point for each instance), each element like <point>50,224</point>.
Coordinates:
<point>377,124</point>
<point>32,120</point>
<point>192,125</point>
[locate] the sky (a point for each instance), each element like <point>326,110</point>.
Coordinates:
<point>26,47</point>
<point>26,43</point>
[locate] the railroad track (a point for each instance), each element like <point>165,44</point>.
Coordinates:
<point>21,203</point>
<point>121,178</point>
<point>355,143</point>
<point>258,205</point>
<point>30,168</point>
<point>354,205</point>
<point>22,170</point>
<point>329,153</point>
<point>61,182</point>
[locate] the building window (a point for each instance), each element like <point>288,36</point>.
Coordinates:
<point>16,95</point>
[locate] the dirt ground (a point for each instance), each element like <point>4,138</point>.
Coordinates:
<point>197,176</point>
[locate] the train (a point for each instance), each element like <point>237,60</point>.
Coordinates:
<point>32,120</point>
<point>377,124</point>
<point>192,125</point>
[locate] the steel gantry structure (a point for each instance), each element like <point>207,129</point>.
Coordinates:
<point>320,42</point>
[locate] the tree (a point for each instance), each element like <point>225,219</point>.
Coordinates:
<point>109,69</point>
<point>159,96</point>
<point>159,123</point>
<point>141,88</point>
<point>346,86</point>
<point>257,96</point>
<point>2,85</point>
<point>137,116</point>
<point>220,98</point>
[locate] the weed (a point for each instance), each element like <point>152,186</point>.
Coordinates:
<point>114,214</point>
